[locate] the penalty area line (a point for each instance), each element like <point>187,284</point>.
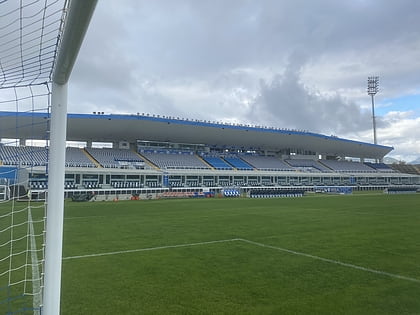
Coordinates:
<point>328,260</point>
<point>36,279</point>
<point>332,261</point>
<point>150,249</point>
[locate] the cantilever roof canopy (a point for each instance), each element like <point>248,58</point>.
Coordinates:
<point>112,128</point>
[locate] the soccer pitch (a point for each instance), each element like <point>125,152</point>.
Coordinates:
<point>318,254</point>
<point>355,254</point>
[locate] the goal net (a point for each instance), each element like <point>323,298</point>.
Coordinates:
<point>39,41</point>
<point>23,166</point>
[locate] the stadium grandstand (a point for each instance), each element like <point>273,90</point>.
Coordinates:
<point>150,156</point>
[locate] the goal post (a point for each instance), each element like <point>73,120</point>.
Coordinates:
<point>39,44</point>
<point>77,20</point>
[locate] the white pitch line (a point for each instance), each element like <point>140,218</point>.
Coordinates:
<point>150,249</point>
<point>337,262</point>
<point>36,282</point>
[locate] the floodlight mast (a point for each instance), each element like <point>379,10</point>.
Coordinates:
<point>372,89</point>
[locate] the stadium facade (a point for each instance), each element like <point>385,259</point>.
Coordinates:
<point>153,155</point>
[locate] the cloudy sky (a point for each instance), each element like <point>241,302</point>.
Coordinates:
<point>293,63</point>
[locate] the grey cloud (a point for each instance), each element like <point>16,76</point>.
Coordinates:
<point>286,102</point>
<point>196,39</point>
<point>189,36</point>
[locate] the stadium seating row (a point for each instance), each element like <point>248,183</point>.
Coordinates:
<point>275,193</point>
<point>175,161</point>
<point>24,156</point>
<point>116,158</point>
<point>231,193</point>
<point>75,157</point>
<point>122,184</point>
<point>120,158</point>
<point>38,185</point>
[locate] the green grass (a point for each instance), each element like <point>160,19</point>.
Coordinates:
<point>380,232</point>
<point>375,231</point>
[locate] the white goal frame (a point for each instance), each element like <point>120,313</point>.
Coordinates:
<point>3,192</point>
<point>77,20</point>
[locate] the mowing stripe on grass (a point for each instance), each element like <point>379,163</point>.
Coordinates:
<point>150,249</point>
<point>86,217</point>
<point>337,262</point>
<point>119,216</point>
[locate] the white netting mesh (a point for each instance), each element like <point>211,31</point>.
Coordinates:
<point>21,256</point>
<point>22,206</point>
<point>30,31</point>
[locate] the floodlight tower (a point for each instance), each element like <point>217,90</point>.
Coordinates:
<point>372,89</point>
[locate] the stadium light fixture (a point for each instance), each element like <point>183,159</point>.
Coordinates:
<point>372,89</point>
